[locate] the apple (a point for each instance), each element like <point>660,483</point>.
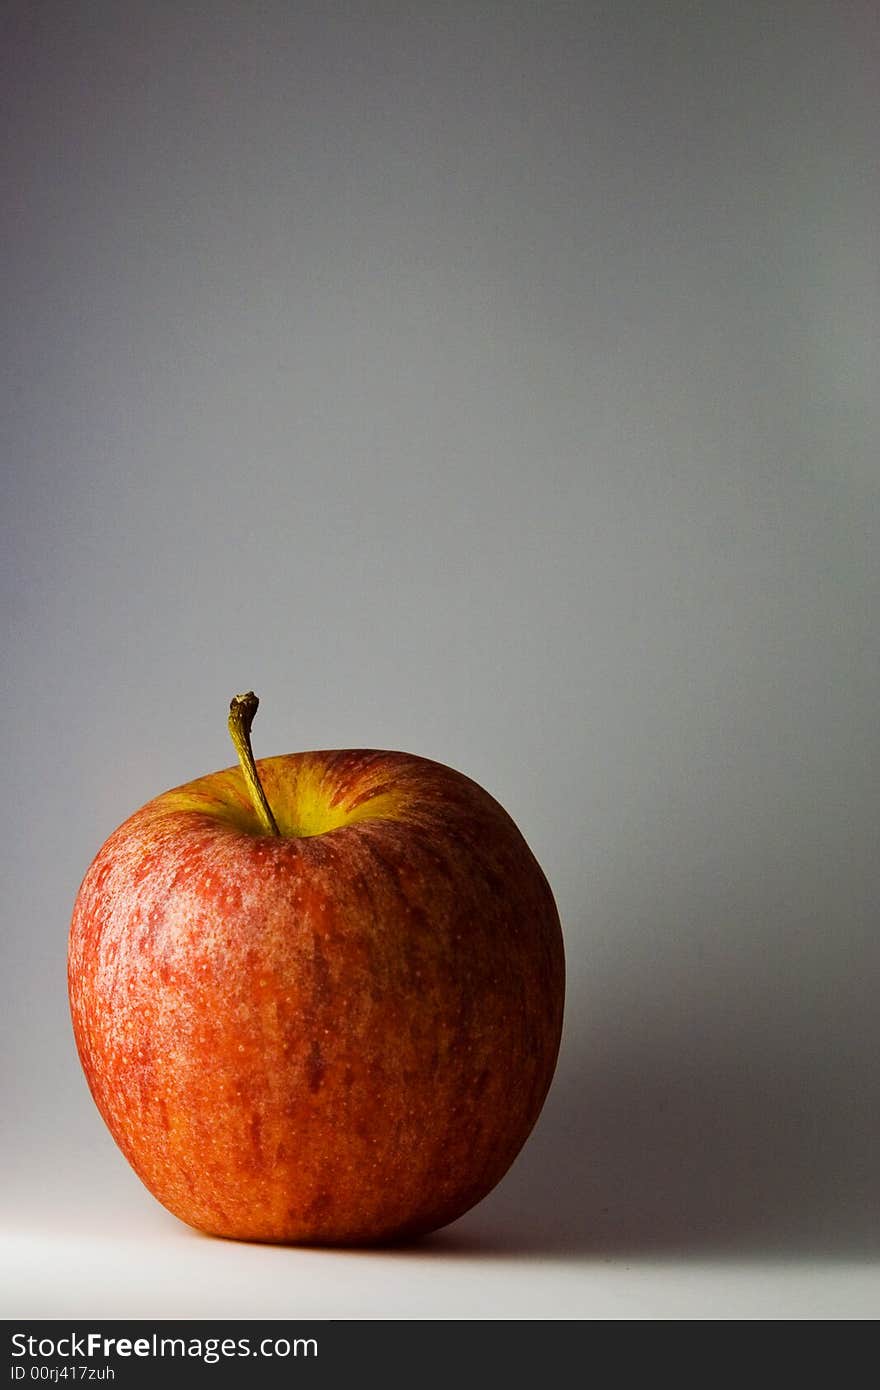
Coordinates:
<point>318,998</point>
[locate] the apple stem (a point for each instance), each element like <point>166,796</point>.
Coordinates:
<point>241,716</point>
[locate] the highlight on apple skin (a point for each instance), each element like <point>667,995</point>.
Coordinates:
<point>318,998</point>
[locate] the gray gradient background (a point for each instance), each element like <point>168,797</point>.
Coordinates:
<point>496,382</point>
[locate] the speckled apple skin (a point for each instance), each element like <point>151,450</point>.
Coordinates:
<point>342,1037</point>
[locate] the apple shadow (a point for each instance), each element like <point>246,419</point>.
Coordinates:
<point>718,1090</point>
<point>634,1163</point>
<point>728,1106</point>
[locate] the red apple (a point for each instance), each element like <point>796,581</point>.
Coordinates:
<point>331,1021</point>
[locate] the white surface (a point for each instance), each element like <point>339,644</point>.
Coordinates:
<point>157,1272</point>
